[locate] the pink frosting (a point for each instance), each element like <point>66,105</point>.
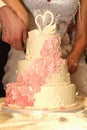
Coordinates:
<point>17,94</point>
<point>30,82</point>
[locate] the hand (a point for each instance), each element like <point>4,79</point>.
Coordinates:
<point>72,63</point>
<point>14,31</point>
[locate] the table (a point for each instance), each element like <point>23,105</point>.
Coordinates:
<point>43,120</point>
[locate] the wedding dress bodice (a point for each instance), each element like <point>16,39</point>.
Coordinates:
<point>63,11</point>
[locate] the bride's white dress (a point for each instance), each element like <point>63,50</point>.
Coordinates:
<point>64,11</point>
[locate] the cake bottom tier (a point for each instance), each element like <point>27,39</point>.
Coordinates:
<point>49,97</point>
<point>54,97</point>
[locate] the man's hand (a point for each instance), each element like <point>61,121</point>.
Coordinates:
<point>14,31</point>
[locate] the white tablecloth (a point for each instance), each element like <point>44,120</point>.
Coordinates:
<point>43,120</point>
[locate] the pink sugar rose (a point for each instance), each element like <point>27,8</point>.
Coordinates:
<point>23,101</point>
<point>15,93</point>
<point>51,47</point>
<point>20,96</point>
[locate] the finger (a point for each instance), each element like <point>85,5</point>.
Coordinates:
<point>73,67</point>
<point>5,35</point>
<point>25,36</point>
<point>15,42</point>
<point>18,44</point>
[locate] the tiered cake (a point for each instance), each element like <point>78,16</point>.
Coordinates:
<point>43,80</point>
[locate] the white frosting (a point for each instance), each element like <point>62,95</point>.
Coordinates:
<point>2,3</point>
<point>35,44</point>
<point>54,97</point>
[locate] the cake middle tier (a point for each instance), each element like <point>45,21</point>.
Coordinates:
<point>62,76</point>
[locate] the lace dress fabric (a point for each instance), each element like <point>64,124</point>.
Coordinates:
<point>64,11</point>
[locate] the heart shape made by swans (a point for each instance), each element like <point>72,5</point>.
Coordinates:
<point>41,20</point>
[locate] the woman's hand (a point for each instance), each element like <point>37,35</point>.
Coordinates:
<point>14,31</point>
<point>72,63</point>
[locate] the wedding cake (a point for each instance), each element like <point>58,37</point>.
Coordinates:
<point>43,80</point>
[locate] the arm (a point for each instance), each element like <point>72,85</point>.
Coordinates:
<point>2,3</point>
<point>18,7</point>
<point>80,39</point>
<point>14,33</point>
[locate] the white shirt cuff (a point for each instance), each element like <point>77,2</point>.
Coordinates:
<point>2,3</point>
